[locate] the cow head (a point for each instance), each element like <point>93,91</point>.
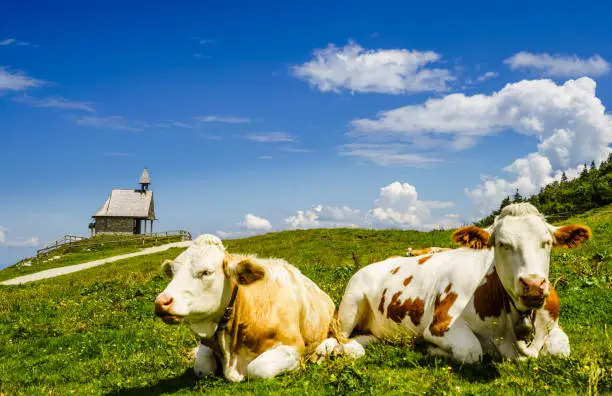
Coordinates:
<point>202,281</point>
<point>521,240</point>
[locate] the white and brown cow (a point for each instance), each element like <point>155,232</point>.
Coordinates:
<point>256,317</point>
<point>492,297</point>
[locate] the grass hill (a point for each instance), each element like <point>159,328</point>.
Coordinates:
<point>94,332</point>
<point>89,249</point>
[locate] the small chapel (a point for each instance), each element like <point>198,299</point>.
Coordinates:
<point>126,211</point>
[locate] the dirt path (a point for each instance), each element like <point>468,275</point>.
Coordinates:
<point>53,272</point>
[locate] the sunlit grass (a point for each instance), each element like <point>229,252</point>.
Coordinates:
<point>94,332</point>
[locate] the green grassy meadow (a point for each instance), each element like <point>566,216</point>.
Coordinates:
<point>94,331</point>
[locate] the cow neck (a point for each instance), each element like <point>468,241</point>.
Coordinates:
<point>227,313</point>
<point>212,342</point>
<point>524,327</point>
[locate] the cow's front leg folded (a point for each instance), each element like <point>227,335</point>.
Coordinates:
<point>205,362</point>
<point>273,362</point>
<point>457,339</point>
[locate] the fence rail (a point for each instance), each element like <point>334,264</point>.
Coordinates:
<point>81,242</point>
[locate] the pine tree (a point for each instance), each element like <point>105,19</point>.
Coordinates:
<point>505,202</point>
<point>517,197</point>
<point>585,172</point>
<point>592,164</point>
<point>563,178</point>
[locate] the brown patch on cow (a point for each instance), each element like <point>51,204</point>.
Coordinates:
<point>441,319</point>
<point>413,308</point>
<point>448,288</point>
<point>267,313</point>
<point>381,306</point>
<point>552,304</point>
<point>422,260</point>
<point>571,236</point>
<point>394,271</point>
<point>472,237</point>
<point>490,299</point>
<point>407,281</point>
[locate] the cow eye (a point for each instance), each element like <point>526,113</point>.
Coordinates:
<point>503,245</point>
<point>546,244</point>
<point>206,273</point>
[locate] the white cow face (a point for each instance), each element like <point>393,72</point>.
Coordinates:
<point>522,245</point>
<point>201,282</point>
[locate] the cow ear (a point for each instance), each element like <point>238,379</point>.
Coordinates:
<point>244,271</point>
<point>166,268</point>
<point>472,237</point>
<point>571,236</point>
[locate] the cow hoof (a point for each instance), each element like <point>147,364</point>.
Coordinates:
<point>353,349</point>
<point>326,348</point>
<point>233,376</point>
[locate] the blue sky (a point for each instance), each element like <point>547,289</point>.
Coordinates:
<point>254,118</point>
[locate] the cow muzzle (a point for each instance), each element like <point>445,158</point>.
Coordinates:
<point>534,291</point>
<point>163,309</point>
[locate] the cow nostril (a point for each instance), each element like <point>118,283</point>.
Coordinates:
<point>163,301</point>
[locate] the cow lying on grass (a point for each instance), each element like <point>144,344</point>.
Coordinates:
<point>256,317</point>
<point>494,297</point>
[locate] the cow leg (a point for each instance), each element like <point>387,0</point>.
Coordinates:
<point>206,362</point>
<point>274,362</point>
<point>557,343</point>
<point>353,313</point>
<point>459,340</point>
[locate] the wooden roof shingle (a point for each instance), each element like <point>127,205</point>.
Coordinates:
<point>128,203</point>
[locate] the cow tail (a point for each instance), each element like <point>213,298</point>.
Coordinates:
<point>335,332</point>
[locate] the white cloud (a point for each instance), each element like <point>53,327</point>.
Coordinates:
<point>30,242</point>
<point>55,102</point>
<point>112,122</point>
<point>171,124</point>
<point>264,157</point>
<point>555,114</point>
<point>398,206</point>
<point>17,81</point>
<point>392,71</point>
<point>227,120</point>
<point>234,234</point>
<point>559,65</point>
<point>209,136</point>
<point>271,137</point>
<point>387,154</point>
<point>12,41</point>
<point>252,222</point>
<point>325,217</point>
<point>296,150</point>
<point>487,76</point>
<point>569,122</point>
